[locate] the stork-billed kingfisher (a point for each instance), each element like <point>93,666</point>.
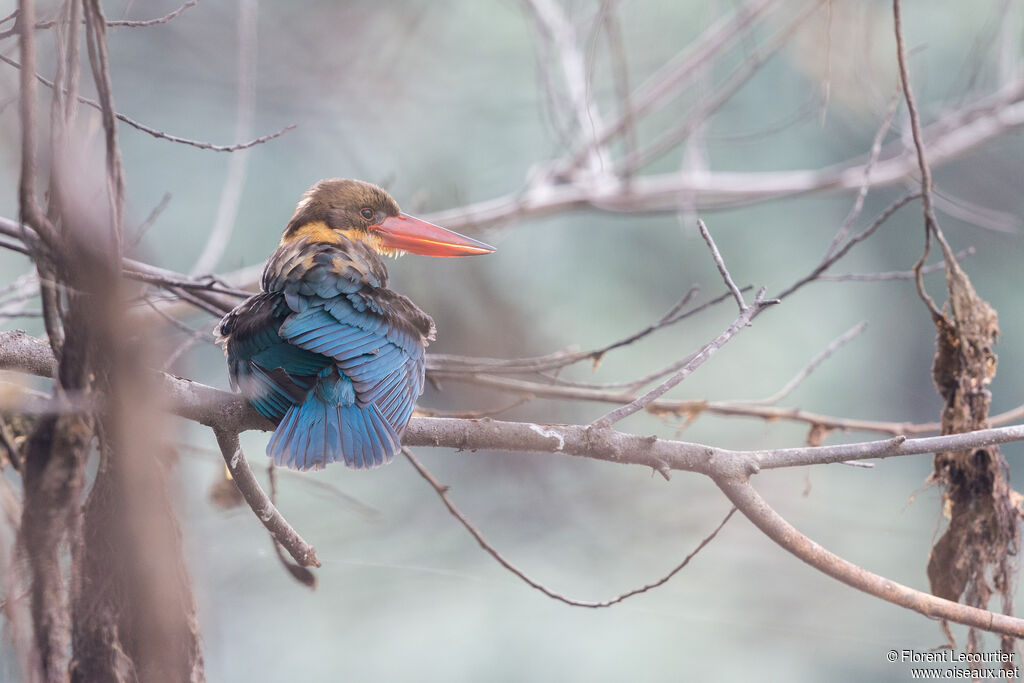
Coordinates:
<point>326,350</point>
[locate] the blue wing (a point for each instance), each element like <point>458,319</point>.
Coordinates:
<point>339,376</point>
<point>274,374</point>
<point>383,359</point>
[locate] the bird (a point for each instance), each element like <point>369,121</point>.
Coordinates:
<point>326,350</point>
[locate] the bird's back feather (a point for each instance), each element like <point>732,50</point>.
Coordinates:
<point>330,353</point>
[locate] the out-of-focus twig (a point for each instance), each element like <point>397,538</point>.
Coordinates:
<point>155,132</point>
<point>245,110</point>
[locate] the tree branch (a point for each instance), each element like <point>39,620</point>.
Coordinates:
<point>746,316</point>
<point>29,73</point>
<point>765,518</point>
<point>442,492</point>
<point>947,139</point>
<point>230,413</point>
<point>256,497</point>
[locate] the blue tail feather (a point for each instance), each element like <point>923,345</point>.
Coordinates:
<point>320,431</point>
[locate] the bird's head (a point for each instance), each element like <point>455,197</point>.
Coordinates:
<point>339,208</point>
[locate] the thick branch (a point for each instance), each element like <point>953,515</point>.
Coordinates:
<point>229,413</point>
<point>744,497</point>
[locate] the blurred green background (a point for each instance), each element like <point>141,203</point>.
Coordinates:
<point>443,102</point>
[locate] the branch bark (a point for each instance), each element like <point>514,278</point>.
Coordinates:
<point>229,413</point>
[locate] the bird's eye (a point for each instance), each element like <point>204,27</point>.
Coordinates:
<point>366,213</point>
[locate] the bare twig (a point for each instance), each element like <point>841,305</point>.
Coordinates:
<point>931,225</point>
<point>301,574</point>
<point>744,497</point>
<point>554,25</point>
<point>820,358</point>
<point>947,139</point>
<point>146,224</point>
<point>698,359</point>
<point>669,139</point>
<point>154,22</point>
<point>96,39</point>
<point>168,279</point>
<point>471,414</point>
<point>746,316</point>
<point>153,131</point>
<point>722,408</point>
<point>14,246</point>
<point>666,82</point>
<point>442,492</point>
<point>835,255</point>
<point>862,193</point>
<point>118,23</point>
<point>720,264</point>
<point>231,193</point>
<point>894,274</point>
<point>448,364</point>
<point>264,509</point>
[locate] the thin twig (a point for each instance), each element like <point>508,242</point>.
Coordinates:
<point>836,344</point>
<point>256,497</point>
<point>14,246</point>
<point>245,108</point>
<point>140,271</point>
<point>699,407</point>
<point>720,264</point>
<point>159,133</point>
<point>153,22</point>
<point>894,274</point>
<point>96,39</point>
<point>828,261</point>
<point>862,193</point>
<point>442,492</point>
<point>301,574</point>
<point>674,74</point>
<point>198,302</point>
<point>444,363</point>
<point>119,23</point>
<point>552,22</point>
<point>743,320</point>
<point>471,414</point>
<point>931,225</point>
<point>669,139</point>
<point>146,224</point>
<point>747,313</point>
